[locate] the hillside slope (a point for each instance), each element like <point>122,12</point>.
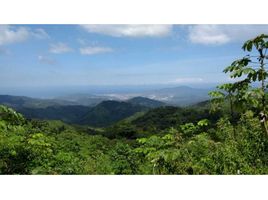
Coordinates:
<point>68,114</point>
<point>108,112</point>
<point>22,101</point>
<point>143,101</point>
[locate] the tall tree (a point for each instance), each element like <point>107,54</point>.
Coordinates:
<point>250,77</point>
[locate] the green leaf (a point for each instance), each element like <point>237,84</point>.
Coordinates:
<point>203,122</point>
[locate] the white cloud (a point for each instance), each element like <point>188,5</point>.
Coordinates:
<point>60,48</point>
<point>90,50</point>
<point>130,30</point>
<point>40,33</point>
<point>187,80</point>
<point>46,60</point>
<point>12,34</point>
<point>86,42</point>
<point>207,34</point>
<point>222,34</point>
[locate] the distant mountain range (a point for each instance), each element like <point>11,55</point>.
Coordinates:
<point>143,101</point>
<point>102,110</point>
<point>102,114</point>
<point>27,102</point>
<point>177,96</point>
<point>85,99</point>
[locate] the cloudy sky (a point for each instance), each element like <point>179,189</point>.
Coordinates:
<point>59,55</point>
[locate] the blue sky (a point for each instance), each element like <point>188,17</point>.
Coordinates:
<point>74,55</point>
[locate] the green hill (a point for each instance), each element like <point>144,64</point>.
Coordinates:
<point>169,116</point>
<point>143,101</point>
<point>103,114</point>
<point>22,102</point>
<point>108,112</point>
<point>68,114</point>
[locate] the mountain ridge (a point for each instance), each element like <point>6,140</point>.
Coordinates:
<point>102,114</point>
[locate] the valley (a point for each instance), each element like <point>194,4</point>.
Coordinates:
<point>101,110</point>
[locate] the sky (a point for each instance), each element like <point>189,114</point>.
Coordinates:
<point>116,55</point>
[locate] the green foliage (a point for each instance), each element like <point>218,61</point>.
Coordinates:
<point>163,118</point>
<point>11,116</point>
<point>122,130</point>
<point>124,160</point>
<point>202,153</point>
<point>249,69</point>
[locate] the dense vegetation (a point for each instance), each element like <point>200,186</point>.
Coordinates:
<point>225,136</point>
<point>68,114</point>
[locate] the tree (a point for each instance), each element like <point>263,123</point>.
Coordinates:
<point>246,72</point>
